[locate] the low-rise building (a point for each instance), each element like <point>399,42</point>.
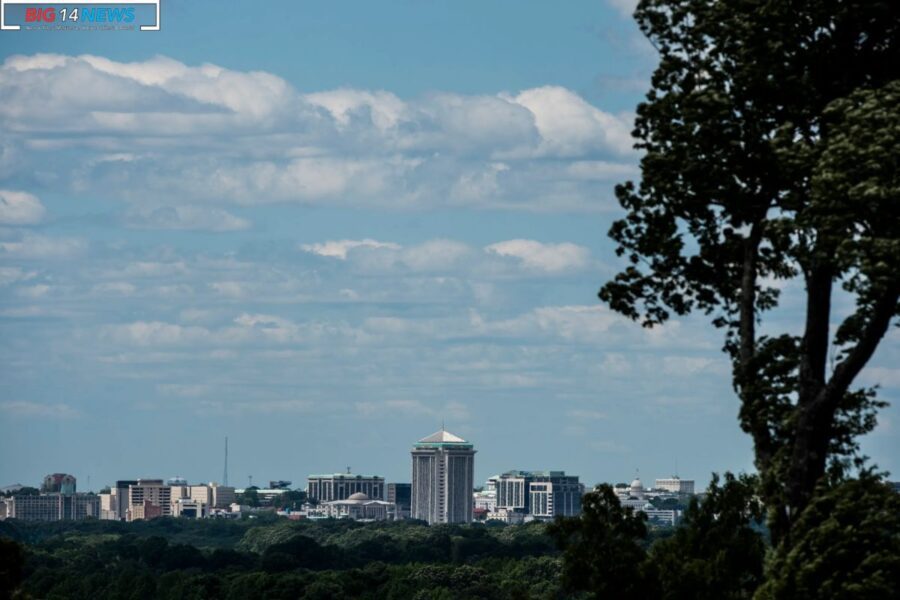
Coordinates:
<point>485,500</point>
<point>53,507</point>
<point>675,485</point>
<point>359,507</point>
<point>340,486</point>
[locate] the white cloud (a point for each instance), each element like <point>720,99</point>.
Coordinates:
<point>34,409</point>
<point>208,134</point>
<point>437,254</point>
<point>117,288</point>
<point>383,109</point>
<point>184,390</point>
<point>583,414</point>
<point>13,274</point>
<point>391,409</point>
<point>185,217</point>
<point>154,333</point>
<point>551,258</point>
<point>624,7</point>
<point>340,248</point>
<point>569,126</point>
<point>42,247</point>
<point>34,291</point>
<point>20,208</point>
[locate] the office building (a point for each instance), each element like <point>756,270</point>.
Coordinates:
<point>121,497</point>
<point>148,498</point>
<point>540,494</point>
<point>400,494</point>
<point>189,508</point>
<point>221,496</point>
<point>58,483</point>
<point>340,486</point>
<point>443,473</point>
<point>676,485</point>
<point>53,507</point>
<point>108,502</point>
<point>554,494</point>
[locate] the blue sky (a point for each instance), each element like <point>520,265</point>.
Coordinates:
<point>321,229</point>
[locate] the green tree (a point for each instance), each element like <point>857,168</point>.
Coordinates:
<point>751,135</point>
<point>12,565</point>
<point>250,497</point>
<point>602,554</point>
<point>714,553</point>
<point>846,545</point>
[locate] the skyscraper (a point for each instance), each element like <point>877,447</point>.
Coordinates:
<point>443,474</point>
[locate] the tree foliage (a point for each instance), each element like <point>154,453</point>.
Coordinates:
<point>846,545</point>
<point>716,552</point>
<point>602,551</point>
<point>12,563</point>
<point>770,143</point>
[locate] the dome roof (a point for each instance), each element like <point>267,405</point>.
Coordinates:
<point>358,497</point>
<point>636,484</point>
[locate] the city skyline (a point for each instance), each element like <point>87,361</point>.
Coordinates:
<point>321,245</point>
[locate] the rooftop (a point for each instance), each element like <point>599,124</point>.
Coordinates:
<point>342,476</point>
<point>443,439</point>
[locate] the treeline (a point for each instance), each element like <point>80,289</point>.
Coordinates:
<point>331,559</point>
<point>846,545</point>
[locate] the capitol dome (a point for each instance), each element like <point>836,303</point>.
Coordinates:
<point>637,488</point>
<point>358,497</point>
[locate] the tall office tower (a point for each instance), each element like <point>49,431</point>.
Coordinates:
<point>443,477</point>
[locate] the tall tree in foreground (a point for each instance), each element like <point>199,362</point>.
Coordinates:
<point>771,141</point>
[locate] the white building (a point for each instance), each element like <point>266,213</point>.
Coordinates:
<point>485,500</point>
<point>676,485</point>
<point>340,486</point>
<point>360,507</point>
<point>504,515</point>
<point>443,474</point>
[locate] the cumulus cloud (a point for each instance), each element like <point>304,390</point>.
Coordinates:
<point>42,247</point>
<point>340,248</point>
<point>446,254</point>
<point>569,126</point>
<point>551,258</point>
<point>20,208</point>
<point>212,134</point>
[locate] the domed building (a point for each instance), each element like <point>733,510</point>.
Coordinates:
<point>360,507</point>
<point>636,489</point>
<point>633,495</point>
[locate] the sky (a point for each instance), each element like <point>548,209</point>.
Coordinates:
<point>324,229</point>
